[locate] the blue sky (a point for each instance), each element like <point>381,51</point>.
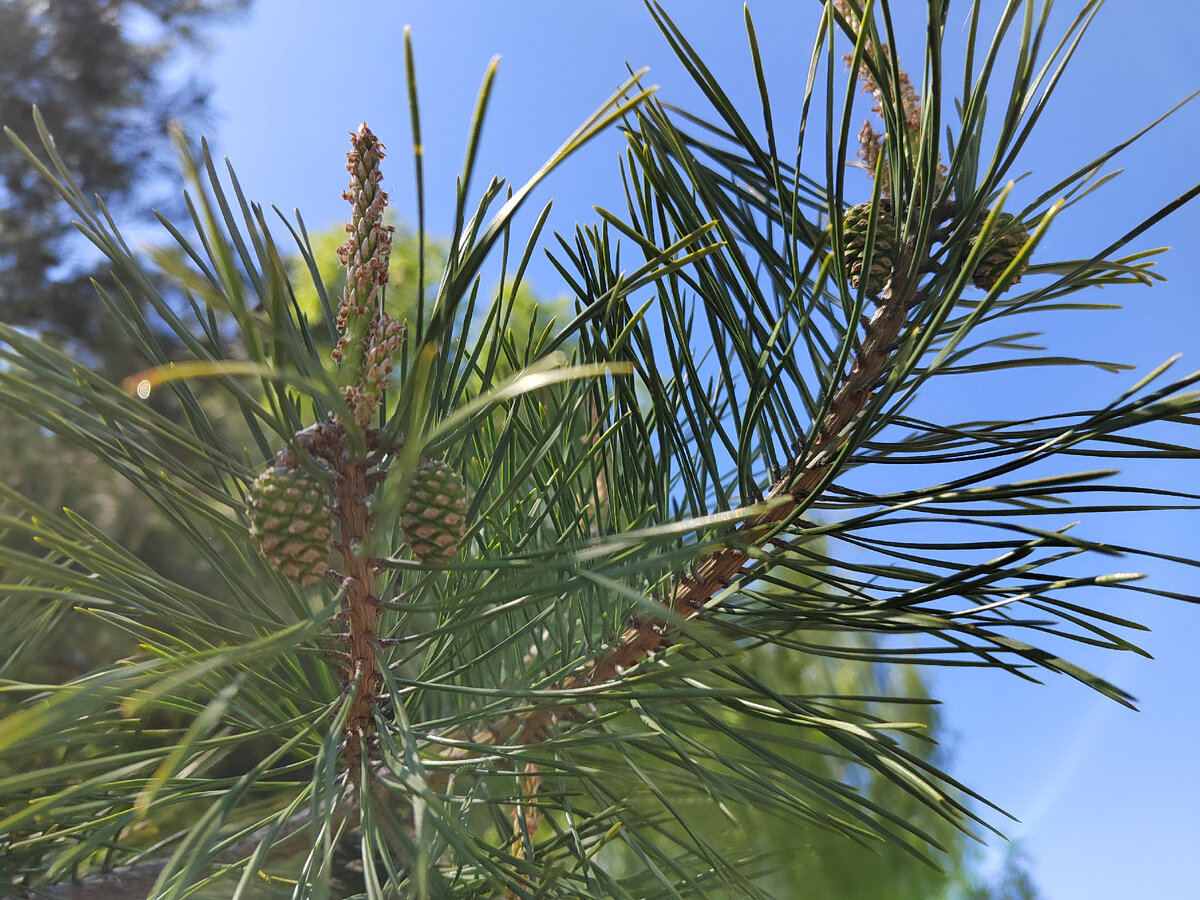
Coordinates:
<point>1107,797</point>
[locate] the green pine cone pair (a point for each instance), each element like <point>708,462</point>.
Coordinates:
<point>291,520</point>
<point>1007,238</point>
<point>292,523</point>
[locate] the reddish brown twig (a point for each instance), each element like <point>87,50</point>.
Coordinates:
<point>353,482</point>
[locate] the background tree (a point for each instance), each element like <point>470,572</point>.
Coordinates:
<point>104,75</point>
<point>109,77</point>
<point>523,691</point>
<point>1012,882</point>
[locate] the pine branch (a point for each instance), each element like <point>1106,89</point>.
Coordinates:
<point>810,470</point>
<point>415,806</point>
<point>353,484</point>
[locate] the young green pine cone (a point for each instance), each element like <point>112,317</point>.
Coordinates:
<point>291,521</point>
<point>434,518</point>
<point>854,243</point>
<point>1005,242</point>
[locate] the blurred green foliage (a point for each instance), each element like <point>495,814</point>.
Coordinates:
<point>109,75</point>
